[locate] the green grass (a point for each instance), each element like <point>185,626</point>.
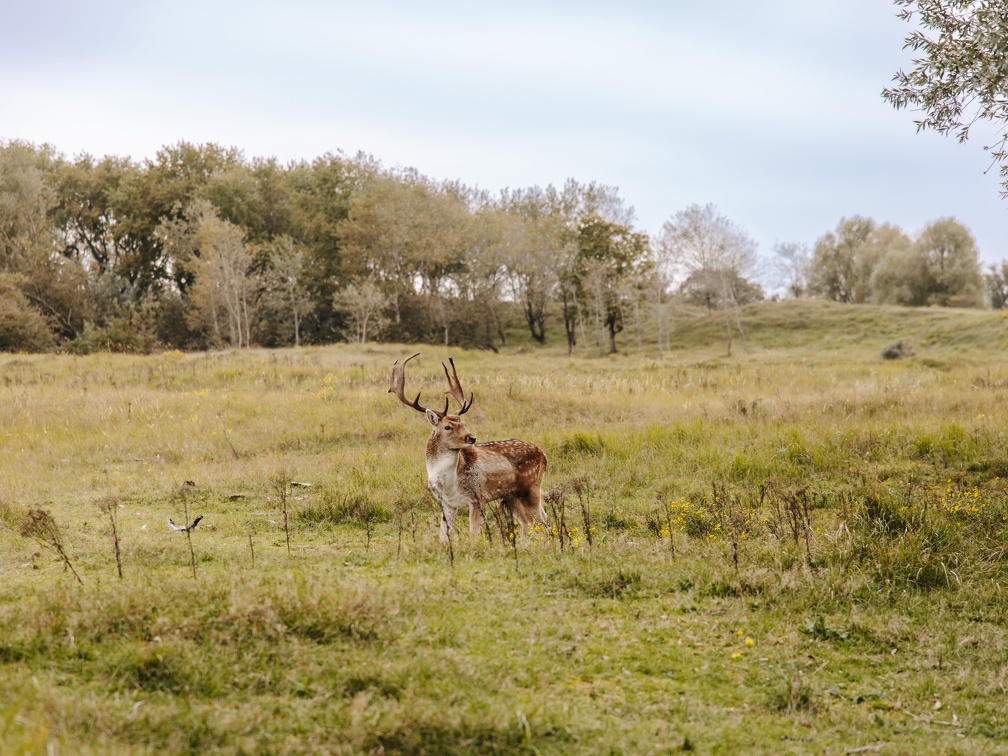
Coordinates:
<point>797,549</point>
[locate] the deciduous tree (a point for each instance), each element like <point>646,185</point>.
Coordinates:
<point>842,262</point>
<point>285,292</point>
<point>364,307</point>
<point>792,264</point>
<point>608,254</point>
<point>224,288</point>
<point>997,285</point>
<point>706,247</point>
<point>949,255</point>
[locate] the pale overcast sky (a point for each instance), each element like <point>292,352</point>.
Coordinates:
<point>770,110</point>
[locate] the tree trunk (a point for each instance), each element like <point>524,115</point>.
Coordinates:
<point>535,321</point>
<point>727,323</point>
<point>568,316</point>
<point>738,324</point>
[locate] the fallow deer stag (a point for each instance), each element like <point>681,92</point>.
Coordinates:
<point>462,474</point>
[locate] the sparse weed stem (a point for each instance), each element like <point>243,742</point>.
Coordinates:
<point>582,489</point>
<point>507,525</point>
<point>405,513</point>
<point>556,504</point>
<point>109,505</point>
<point>182,494</point>
<point>790,514</point>
<point>41,526</point>
<point>280,482</point>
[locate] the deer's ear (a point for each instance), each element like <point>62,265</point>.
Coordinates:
<point>433,417</point>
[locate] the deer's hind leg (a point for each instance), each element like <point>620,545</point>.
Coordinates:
<point>475,518</point>
<point>529,509</point>
<point>535,504</point>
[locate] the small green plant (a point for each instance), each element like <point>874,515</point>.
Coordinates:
<point>817,628</point>
<point>794,696</point>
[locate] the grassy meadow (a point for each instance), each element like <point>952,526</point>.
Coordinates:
<point>798,549</point>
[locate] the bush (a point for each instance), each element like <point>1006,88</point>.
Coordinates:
<point>120,334</point>
<point>22,327</point>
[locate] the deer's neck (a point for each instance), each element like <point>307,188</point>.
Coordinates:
<point>442,464</point>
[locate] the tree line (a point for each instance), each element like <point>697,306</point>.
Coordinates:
<point>200,248</point>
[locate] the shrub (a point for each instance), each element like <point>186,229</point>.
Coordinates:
<point>22,327</point>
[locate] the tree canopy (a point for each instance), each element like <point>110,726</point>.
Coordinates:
<point>200,247</point>
<point>862,261</point>
<point>960,77</point>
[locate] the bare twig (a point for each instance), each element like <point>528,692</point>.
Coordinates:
<point>110,506</point>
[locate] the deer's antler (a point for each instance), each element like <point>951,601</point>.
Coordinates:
<point>397,386</point>
<point>455,388</point>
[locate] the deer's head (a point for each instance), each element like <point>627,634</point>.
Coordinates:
<point>449,431</point>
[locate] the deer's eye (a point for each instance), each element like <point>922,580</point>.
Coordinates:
<point>448,428</point>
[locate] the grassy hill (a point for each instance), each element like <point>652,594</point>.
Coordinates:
<point>795,549</point>
<point>810,327</point>
<point>820,325</point>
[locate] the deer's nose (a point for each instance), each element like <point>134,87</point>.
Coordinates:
<point>471,439</point>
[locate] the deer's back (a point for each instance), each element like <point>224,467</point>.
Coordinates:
<point>497,468</point>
